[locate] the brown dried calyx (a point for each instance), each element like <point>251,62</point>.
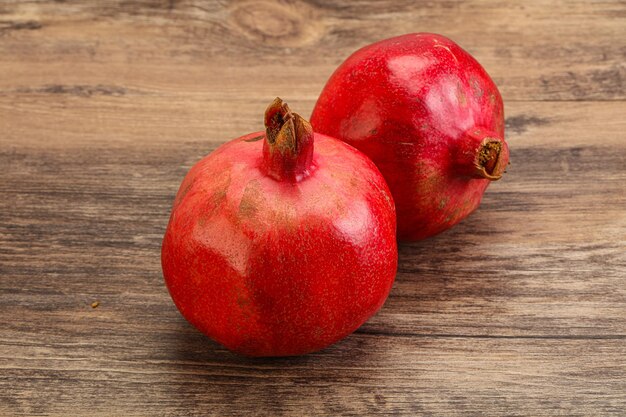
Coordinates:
<point>288,149</point>
<point>488,157</point>
<point>481,154</point>
<point>285,130</point>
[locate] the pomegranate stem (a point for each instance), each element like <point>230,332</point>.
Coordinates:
<point>288,145</point>
<point>482,154</point>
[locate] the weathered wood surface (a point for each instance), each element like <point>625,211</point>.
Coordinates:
<point>519,310</point>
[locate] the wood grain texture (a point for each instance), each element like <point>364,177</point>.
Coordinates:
<point>519,310</point>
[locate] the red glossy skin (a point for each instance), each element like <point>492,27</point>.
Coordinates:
<point>420,107</point>
<point>277,267</point>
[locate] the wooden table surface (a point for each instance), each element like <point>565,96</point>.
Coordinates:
<point>519,310</point>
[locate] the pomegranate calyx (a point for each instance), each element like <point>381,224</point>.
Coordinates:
<point>288,148</point>
<point>482,155</point>
<point>491,159</point>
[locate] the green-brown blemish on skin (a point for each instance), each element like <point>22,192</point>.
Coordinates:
<point>215,201</point>
<point>251,200</point>
<point>454,216</point>
<point>286,218</point>
<point>202,221</point>
<point>242,301</point>
<point>460,95</point>
<point>431,180</point>
<point>183,193</point>
<point>241,297</point>
<point>247,208</point>
<point>443,202</point>
<point>254,139</point>
<point>354,181</point>
<point>478,92</point>
<point>339,203</point>
<point>216,198</point>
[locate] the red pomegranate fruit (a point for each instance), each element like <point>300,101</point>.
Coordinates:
<point>430,118</point>
<point>281,242</point>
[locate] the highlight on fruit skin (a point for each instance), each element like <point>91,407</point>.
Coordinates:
<point>429,116</point>
<point>281,242</point>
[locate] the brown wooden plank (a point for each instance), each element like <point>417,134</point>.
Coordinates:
<point>540,50</point>
<point>175,373</point>
<point>74,119</point>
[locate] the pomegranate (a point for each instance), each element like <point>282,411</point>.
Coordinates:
<point>281,243</point>
<point>429,117</point>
